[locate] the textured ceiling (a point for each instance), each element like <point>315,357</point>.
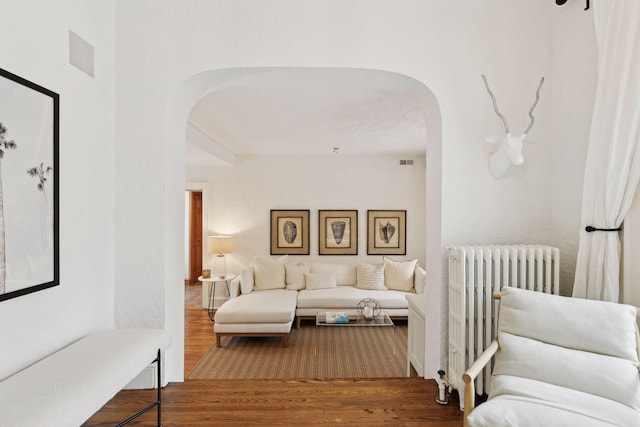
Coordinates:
<point>310,111</point>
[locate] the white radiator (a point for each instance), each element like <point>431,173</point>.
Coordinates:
<point>475,273</point>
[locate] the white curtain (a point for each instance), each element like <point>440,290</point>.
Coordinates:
<point>613,158</point>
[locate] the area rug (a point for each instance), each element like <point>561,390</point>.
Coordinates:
<point>314,352</point>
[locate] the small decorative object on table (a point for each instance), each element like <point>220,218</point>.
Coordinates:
<point>369,309</point>
<point>206,274</point>
<point>337,317</point>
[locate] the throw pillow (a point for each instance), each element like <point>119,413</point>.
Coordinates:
<point>370,276</point>
<point>398,275</point>
<point>345,273</point>
<point>246,280</point>
<point>320,280</point>
<point>269,273</point>
<point>295,276</point>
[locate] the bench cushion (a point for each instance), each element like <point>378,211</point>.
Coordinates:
<point>67,387</point>
<point>271,306</point>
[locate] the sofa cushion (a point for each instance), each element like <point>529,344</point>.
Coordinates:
<point>295,276</point>
<point>419,280</point>
<point>345,273</point>
<point>270,306</point>
<point>606,376</point>
<point>320,280</point>
<point>347,297</point>
<point>370,276</point>
<point>525,402</point>
<point>269,273</point>
<point>246,280</point>
<point>398,275</point>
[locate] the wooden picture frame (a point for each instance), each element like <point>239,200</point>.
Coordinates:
<point>338,232</point>
<point>289,232</point>
<point>386,232</point>
<point>29,208</point>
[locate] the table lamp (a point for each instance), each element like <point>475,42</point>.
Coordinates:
<point>220,245</point>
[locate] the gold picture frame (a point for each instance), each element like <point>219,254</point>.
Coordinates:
<point>386,232</point>
<point>289,232</point>
<point>338,232</point>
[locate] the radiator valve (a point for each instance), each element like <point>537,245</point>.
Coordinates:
<point>442,398</point>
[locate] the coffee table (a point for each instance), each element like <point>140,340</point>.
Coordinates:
<point>356,321</point>
<point>382,319</point>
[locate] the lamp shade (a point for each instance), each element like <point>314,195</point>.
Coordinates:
<point>220,244</point>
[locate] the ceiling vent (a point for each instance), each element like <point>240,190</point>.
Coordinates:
<point>406,162</point>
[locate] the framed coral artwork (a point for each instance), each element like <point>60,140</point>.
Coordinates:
<point>289,232</point>
<point>386,232</point>
<point>29,132</point>
<point>338,232</point>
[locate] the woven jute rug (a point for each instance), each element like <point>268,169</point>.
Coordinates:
<point>314,352</point>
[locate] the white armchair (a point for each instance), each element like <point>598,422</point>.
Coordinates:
<point>559,361</point>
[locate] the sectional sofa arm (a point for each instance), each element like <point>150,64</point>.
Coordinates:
<point>470,375</point>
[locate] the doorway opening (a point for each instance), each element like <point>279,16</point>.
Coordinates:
<point>199,85</point>
<point>195,236</point>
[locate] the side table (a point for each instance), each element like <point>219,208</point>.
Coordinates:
<point>213,281</point>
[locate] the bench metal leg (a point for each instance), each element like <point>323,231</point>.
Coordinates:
<point>157,403</point>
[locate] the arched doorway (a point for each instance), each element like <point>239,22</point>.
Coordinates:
<point>179,108</point>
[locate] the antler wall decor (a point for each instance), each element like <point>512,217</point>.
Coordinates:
<point>509,151</point>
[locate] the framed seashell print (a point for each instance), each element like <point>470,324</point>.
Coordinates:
<point>338,232</point>
<point>289,232</point>
<point>386,232</point>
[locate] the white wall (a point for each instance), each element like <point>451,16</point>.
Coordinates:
<point>34,45</point>
<point>187,226</point>
<point>242,197</point>
<point>444,45</point>
<point>160,44</point>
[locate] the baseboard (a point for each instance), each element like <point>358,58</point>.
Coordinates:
<point>146,379</point>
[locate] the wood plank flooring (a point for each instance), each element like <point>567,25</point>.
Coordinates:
<point>383,402</point>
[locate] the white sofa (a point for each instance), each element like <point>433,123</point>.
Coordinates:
<point>267,297</point>
<point>559,361</point>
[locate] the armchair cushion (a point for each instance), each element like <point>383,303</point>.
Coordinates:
<point>605,376</point>
<point>524,402</point>
<point>604,328</point>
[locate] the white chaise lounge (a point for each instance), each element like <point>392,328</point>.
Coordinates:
<point>264,313</point>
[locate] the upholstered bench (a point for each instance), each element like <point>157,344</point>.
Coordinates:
<point>67,387</point>
<point>260,313</point>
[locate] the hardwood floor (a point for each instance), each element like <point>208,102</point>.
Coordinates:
<point>198,337</point>
<point>384,402</point>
